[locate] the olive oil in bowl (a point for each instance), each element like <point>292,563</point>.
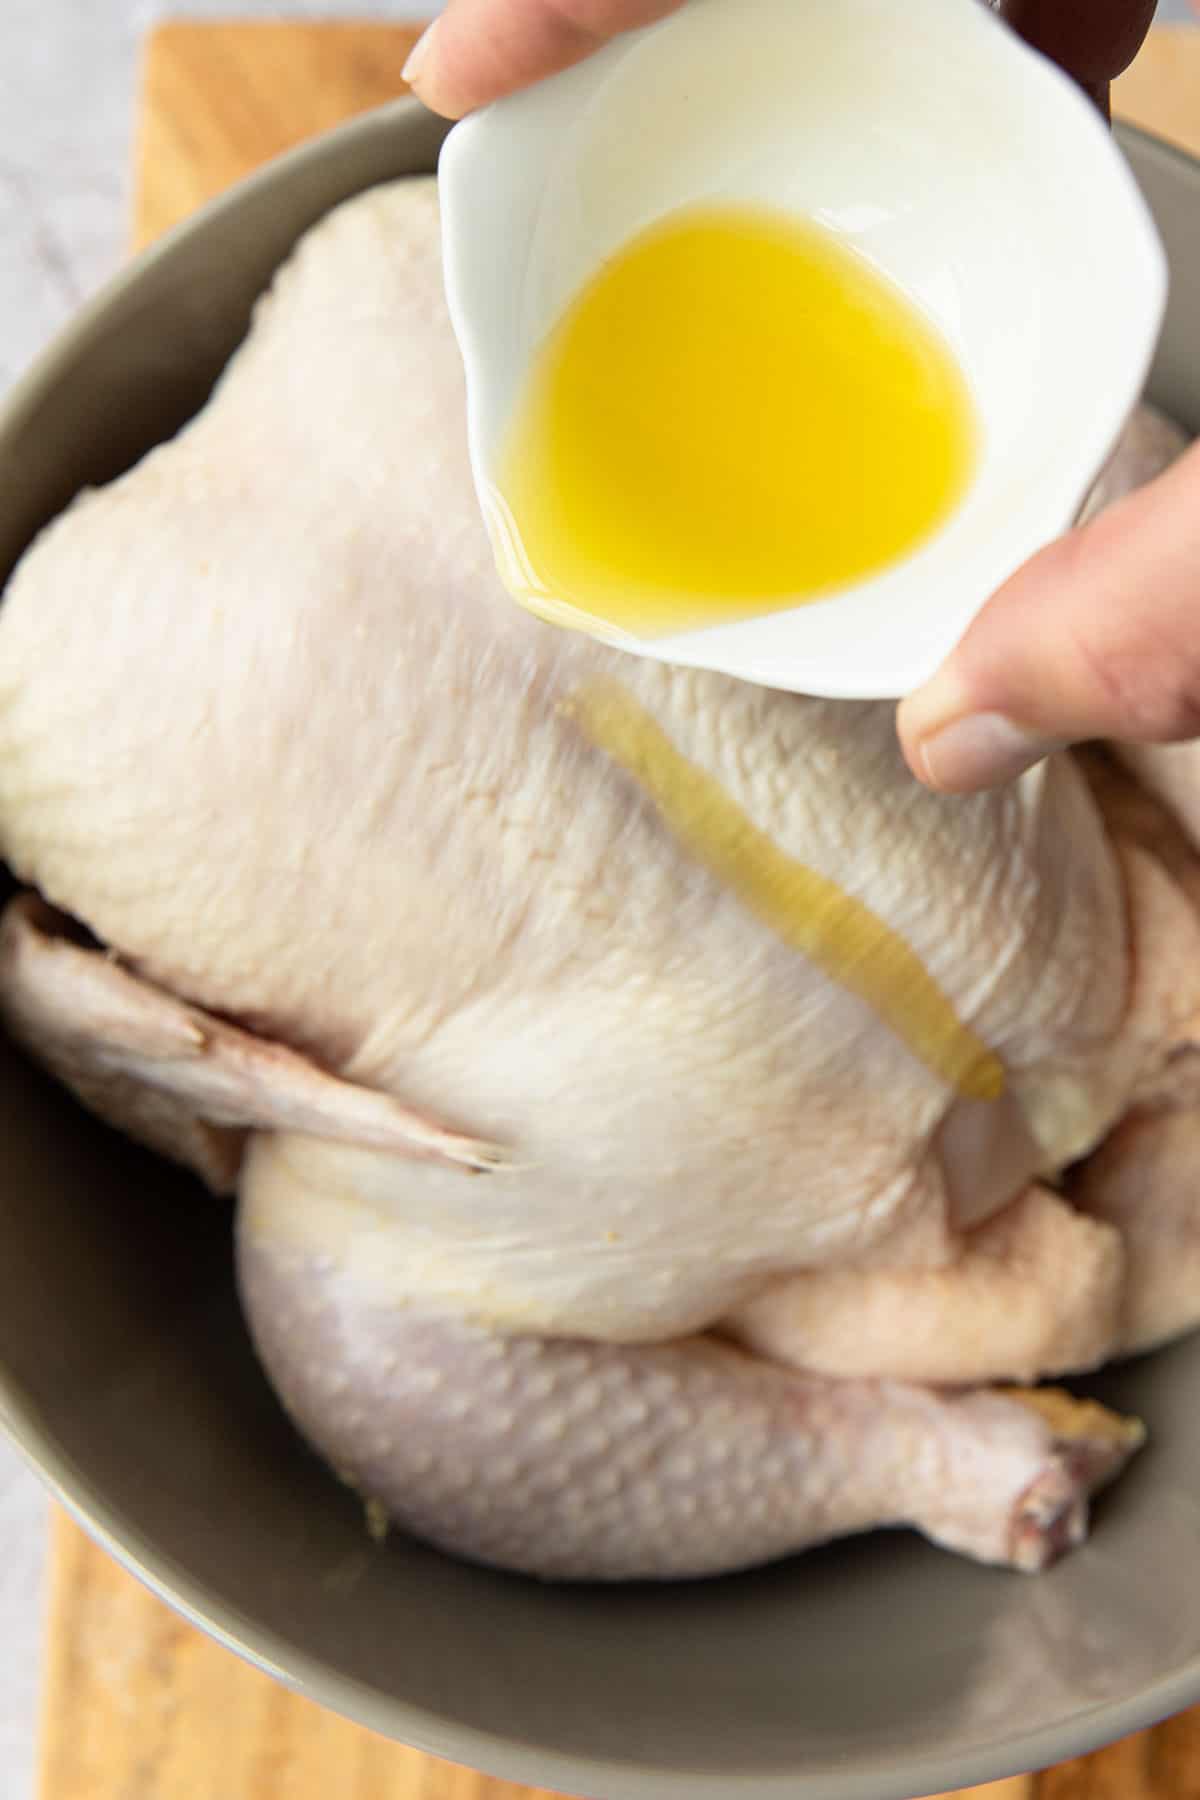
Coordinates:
<point>736,414</point>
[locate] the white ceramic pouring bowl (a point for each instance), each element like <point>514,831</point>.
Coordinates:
<point>937,145</point>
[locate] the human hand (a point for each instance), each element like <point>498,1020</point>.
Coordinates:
<point>477,50</point>
<point>1097,636</point>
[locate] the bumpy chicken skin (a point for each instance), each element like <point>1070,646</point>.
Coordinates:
<point>396,884</point>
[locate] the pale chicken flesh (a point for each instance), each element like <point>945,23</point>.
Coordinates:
<point>644,1101</point>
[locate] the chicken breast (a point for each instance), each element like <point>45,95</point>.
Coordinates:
<point>635,1085</point>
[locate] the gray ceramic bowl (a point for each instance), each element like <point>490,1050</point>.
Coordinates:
<point>875,1671</point>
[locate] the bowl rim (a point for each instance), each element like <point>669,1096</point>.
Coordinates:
<point>920,1773</point>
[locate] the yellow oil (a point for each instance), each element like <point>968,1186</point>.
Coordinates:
<point>810,913</point>
<point>736,414</point>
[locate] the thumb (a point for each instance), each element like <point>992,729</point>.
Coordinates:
<point>1097,636</point>
<point>477,50</point>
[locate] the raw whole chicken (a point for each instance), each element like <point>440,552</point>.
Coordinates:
<point>647,1106</point>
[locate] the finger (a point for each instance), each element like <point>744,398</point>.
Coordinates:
<point>1097,636</point>
<point>478,50</point>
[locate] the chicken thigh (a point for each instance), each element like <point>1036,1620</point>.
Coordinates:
<point>591,1042</point>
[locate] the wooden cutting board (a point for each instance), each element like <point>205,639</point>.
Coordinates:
<point>136,1704</point>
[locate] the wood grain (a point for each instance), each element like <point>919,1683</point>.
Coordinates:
<point>218,100</point>
<point>136,1704</point>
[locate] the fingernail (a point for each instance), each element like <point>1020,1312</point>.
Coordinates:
<point>979,751</point>
<point>417,56</point>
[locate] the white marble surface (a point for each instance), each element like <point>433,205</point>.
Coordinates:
<point>67,74</point>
